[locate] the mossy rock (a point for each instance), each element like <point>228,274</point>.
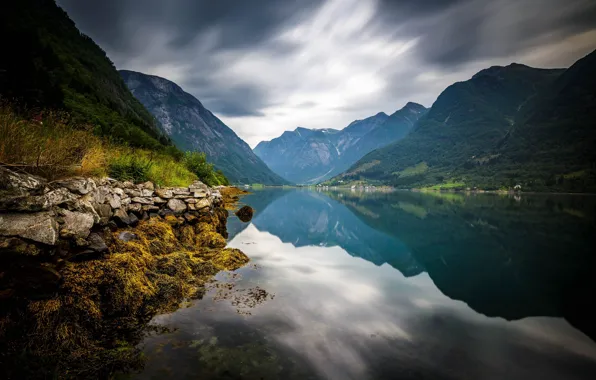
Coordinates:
<point>245,214</point>
<point>208,237</point>
<point>225,259</point>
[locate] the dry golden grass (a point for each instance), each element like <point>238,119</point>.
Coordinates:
<point>50,146</point>
<point>46,145</point>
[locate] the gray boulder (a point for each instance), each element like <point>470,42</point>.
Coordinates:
<point>114,200</point>
<point>202,203</point>
<point>40,227</point>
<point>85,205</point>
<point>200,194</point>
<point>99,195</point>
<point>145,201</point>
<point>10,180</point>
<point>198,186</point>
<point>96,243</point>
<point>121,218</point>
<point>135,207</point>
<point>159,200</point>
<point>127,236</point>
<point>177,205</point>
<point>132,192</point>
<point>133,219</point>
<point>103,210</point>
<point>147,185</point>
<point>78,185</point>
<point>77,224</point>
<point>25,203</point>
<point>164,193</point>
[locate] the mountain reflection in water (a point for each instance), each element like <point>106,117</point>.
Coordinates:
<point>491,287</point>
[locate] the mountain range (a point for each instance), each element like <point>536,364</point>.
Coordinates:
<point>307,156</point>
<point>503,127</point>
<point>192,127</point>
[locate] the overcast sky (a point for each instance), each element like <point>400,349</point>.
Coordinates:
<point>266,66</point>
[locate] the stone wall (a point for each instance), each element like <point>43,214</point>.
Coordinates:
<point>40,217</point>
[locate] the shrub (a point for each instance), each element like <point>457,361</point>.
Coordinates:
<point>130,168</point>
<point>197,163</point>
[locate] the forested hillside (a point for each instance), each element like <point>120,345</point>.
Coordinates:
<point>48,63</point>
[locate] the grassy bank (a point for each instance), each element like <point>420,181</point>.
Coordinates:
<point>52,145</point>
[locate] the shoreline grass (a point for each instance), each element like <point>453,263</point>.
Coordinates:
<point>50,145</point>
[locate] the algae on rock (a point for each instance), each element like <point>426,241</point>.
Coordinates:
<point>93,322</point>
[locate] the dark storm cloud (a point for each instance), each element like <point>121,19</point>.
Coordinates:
<point>128,28</point>
<point>455,32</point>
<point>238,23</point>
<point>269,65</point>
<point>233,101</point>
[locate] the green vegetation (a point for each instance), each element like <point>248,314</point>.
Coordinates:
<point>413,170</point>
<point>197,163</point>
<point>446,186</point>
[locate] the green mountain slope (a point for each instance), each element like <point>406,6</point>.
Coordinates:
<point>461,141</point>
<point>192,127</point>
<point>554,138</point>
<point>48,63</point>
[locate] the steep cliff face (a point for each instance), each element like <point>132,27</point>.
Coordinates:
<point>192,127</point>
<point>311,156</point>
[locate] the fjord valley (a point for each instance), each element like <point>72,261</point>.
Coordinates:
<point>307,156</point>
<point>161,215</point>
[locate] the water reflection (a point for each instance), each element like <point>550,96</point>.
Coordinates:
<point>342,310</point>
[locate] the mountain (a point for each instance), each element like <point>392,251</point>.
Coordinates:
<point>456,141</point>
<point>505,126</point>
<point>313,155</point>
<point>555,135</point>
<point>48,63</point>
<point>192,127</point>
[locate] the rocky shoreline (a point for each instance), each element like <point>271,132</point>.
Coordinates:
<point>86,263</point>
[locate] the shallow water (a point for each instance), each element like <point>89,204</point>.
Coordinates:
<point>403,285</point>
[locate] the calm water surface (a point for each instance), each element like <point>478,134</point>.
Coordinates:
<point>403,285</point>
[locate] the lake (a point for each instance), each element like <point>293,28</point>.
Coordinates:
<point>394,285</point>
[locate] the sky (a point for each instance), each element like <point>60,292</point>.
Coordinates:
<point>267,66</point>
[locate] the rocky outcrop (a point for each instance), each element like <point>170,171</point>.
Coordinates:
<point>66,212</point>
